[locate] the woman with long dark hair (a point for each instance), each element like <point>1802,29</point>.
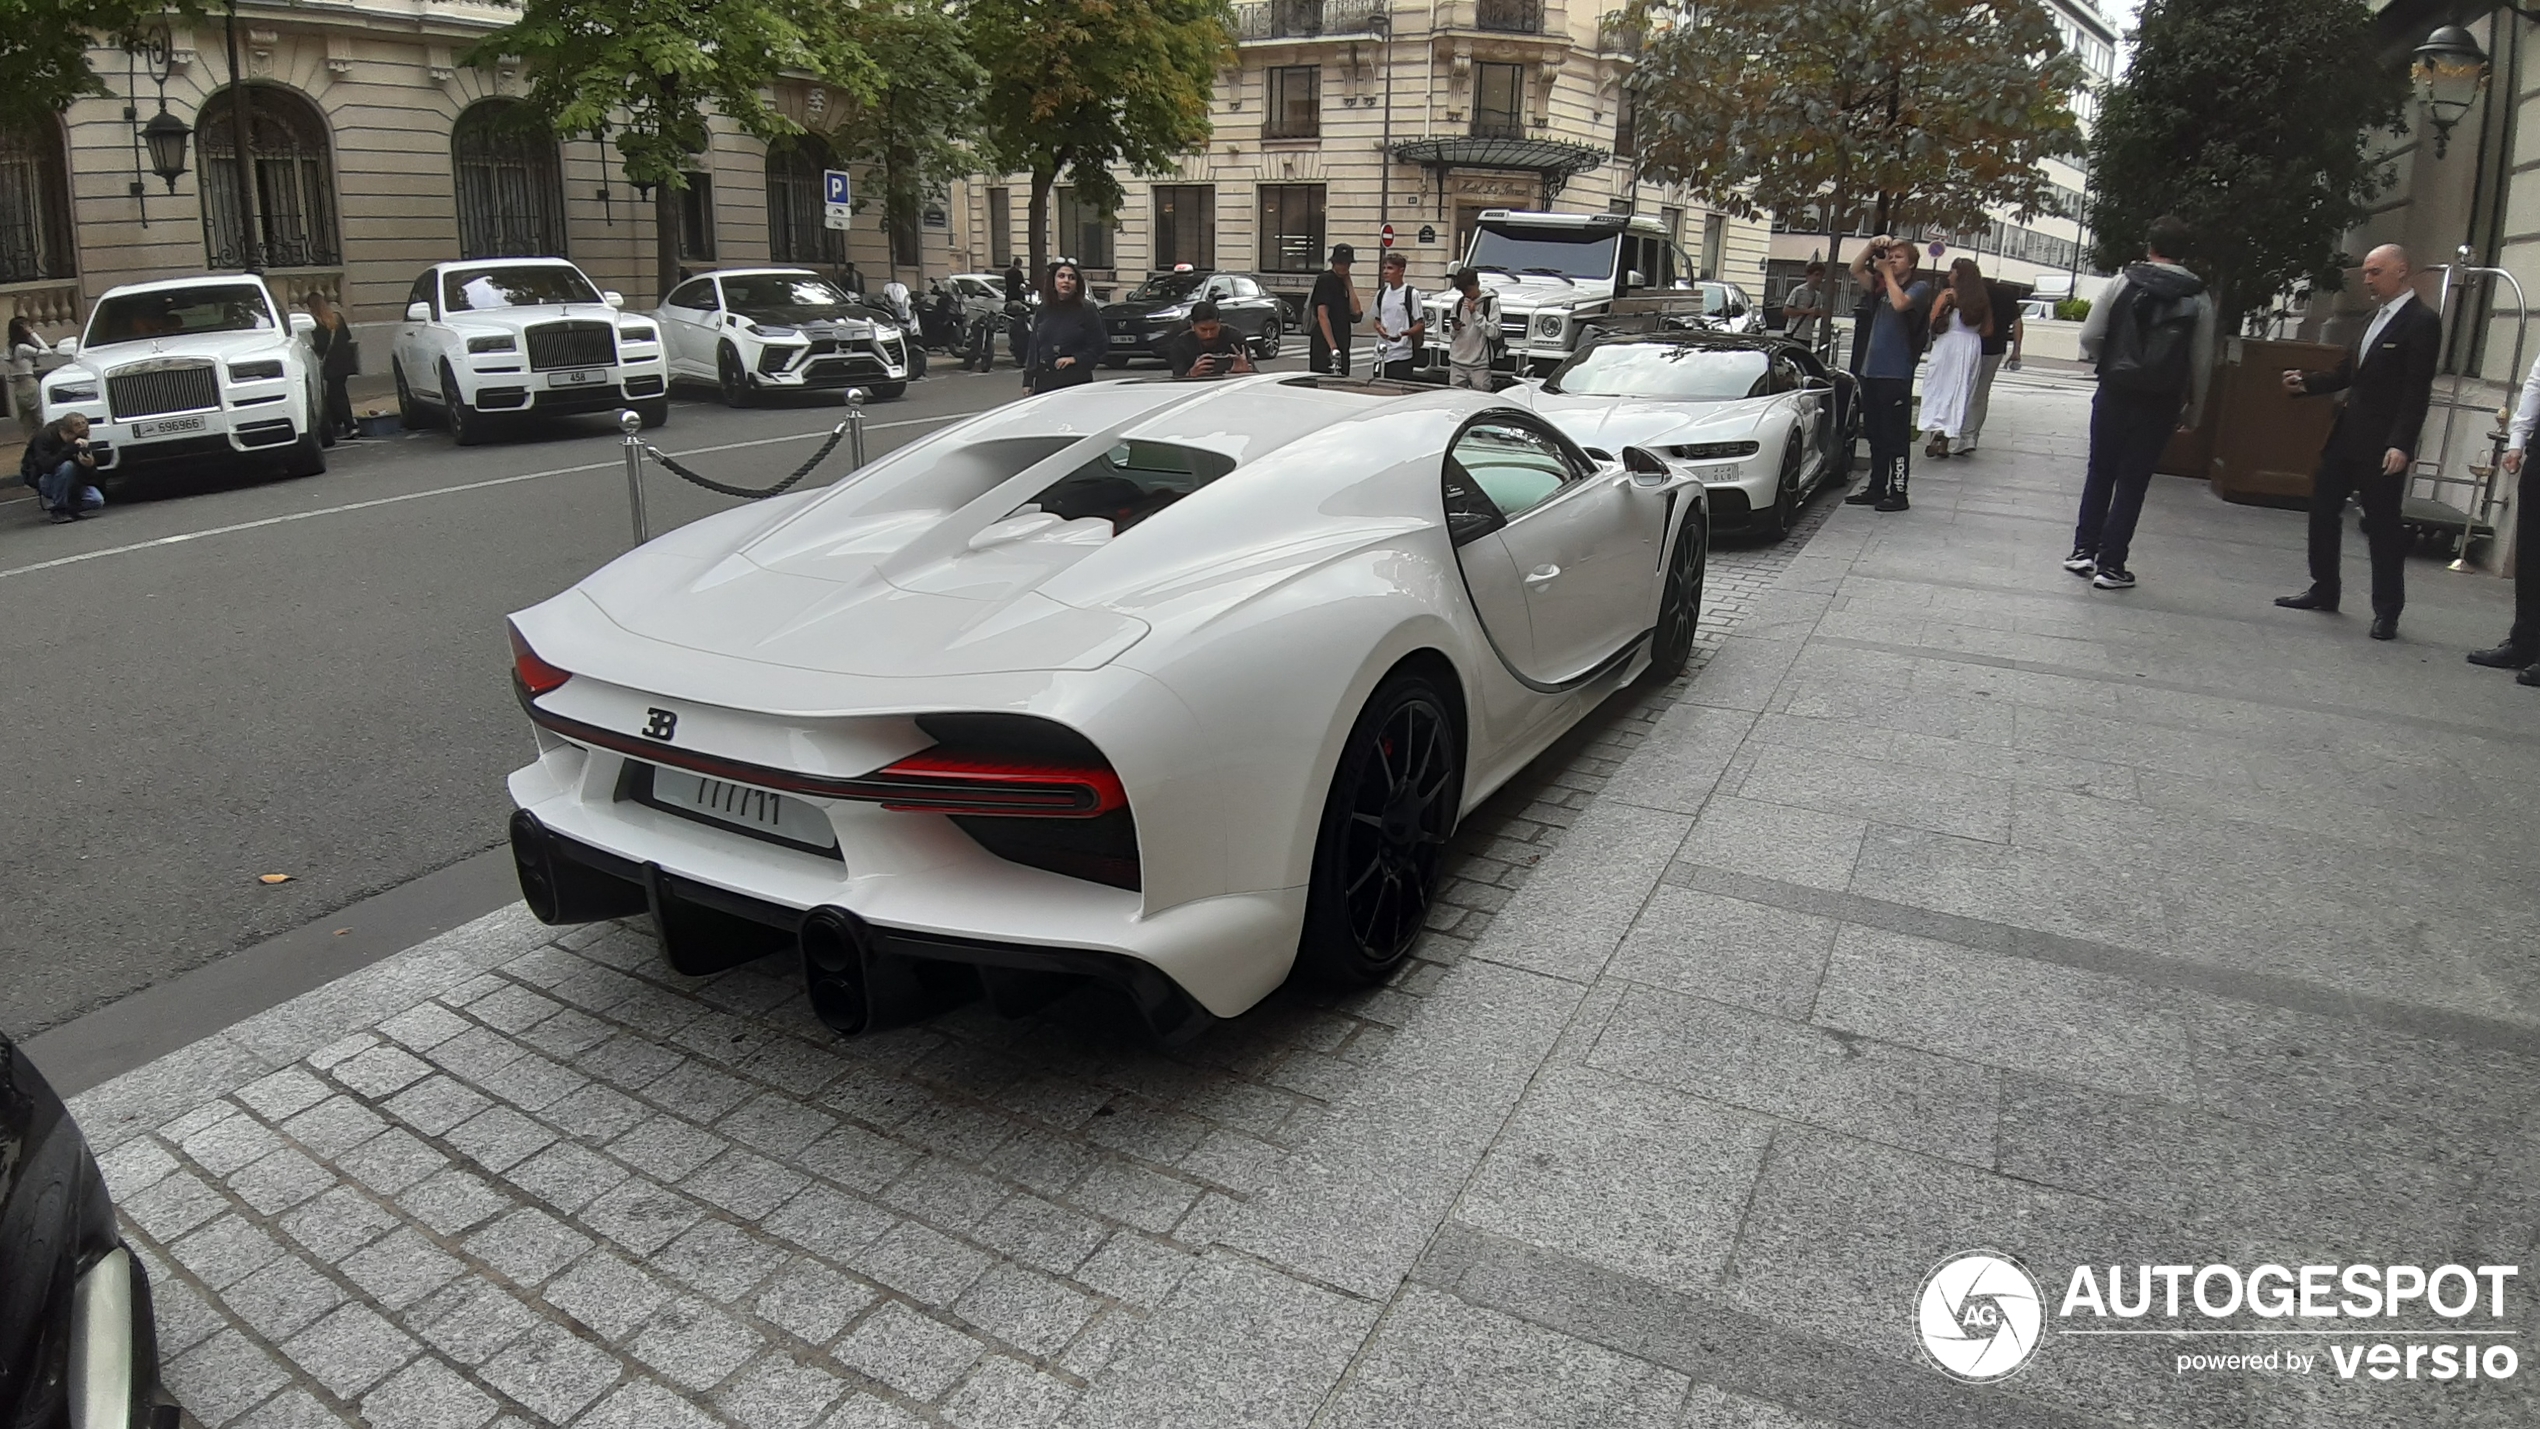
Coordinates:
<point>1961,319</point>
<point>1067,337</point>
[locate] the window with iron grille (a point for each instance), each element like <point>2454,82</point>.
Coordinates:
<point>1499,101</point>
<point>1185,225</point>
<point>510,190</point>
<point>295,180</point>
<point>1084,233</point>
<point>798,228</point>
<point>1291,228</point>
<point>1295,106</point>
<point>1000,227</point>
<point>35,206</point>
<point>1522,17</point>
<point>696,218</point>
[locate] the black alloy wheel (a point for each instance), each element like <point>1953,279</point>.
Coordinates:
<point>1272,340</point>
<point>1385,826</point>
<point>1776,524</point>
<point>467,426</point>
<point>1680,603</point>
<point>728,376</point>
<point>411,414</point>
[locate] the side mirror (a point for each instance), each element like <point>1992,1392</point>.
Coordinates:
<point>1635,279</point>
<point>67,347</point>
<point>615,300</point>
<point>418,312</point>
<point>302,324</point>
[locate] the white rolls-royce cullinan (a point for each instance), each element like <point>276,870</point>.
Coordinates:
<point>502,338</point>
<point>1168,685</point>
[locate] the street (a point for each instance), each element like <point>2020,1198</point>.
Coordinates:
<point>307,677</point>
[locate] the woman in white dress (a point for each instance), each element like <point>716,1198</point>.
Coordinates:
<point>1960,318</point>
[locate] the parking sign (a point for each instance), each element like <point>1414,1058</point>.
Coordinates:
<point>837,203</point>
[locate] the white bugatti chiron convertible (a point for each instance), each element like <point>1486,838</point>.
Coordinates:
<point>1170,685</point>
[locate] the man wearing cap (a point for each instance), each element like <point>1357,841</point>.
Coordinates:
<point>1207,348</point>
<point>1331,313</point>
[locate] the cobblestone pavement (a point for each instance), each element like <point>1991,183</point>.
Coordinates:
<point>549,1181</point>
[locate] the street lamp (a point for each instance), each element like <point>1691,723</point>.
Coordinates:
<point>2450,72</point>
<point>165,136</point>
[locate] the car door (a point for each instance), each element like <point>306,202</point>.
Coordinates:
<point>409,348</point>
<point>1807,411</point>
<point>1581,539</point>
<point>687,328</point>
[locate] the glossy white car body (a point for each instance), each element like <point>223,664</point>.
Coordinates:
<point>460,356</point>
<point>713,331</point>
<point>1214,651</point>
<point>1760,456</point>
<point>188,371</point>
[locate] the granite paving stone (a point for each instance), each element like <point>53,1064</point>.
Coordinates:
<point>332,1226</point>
<point>551,1372</point>
<point>450,1201</point>
<point>391,1161</point>
<point>279,1180</point>
<point>278,1300</point>
<point>644,1404</point>
<point>919,1356</point>
<point>566,1176</point>
<point>349,1350</point>
<point>223,1377</point>
<point>1008,1394</point>
<point>778,1391</point>
<point>639,1215</point>
<point>470,1321</point>
<point>695,1345</point>
<point>399,1268</point>
<point>1438,1361</point>
<point>527,1245</point>
<point>718,1259</point>
<point>812,1302</point>
<point>427,1395</point>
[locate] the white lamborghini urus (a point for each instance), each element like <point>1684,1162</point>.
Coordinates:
<point>1172,686</point>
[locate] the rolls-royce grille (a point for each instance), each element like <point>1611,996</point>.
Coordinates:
<point>165,389</point>
<point>553,345</point>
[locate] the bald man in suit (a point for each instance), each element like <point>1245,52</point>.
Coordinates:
<point>2388,380</point>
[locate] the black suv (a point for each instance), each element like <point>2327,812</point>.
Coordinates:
<point>1139,321</point>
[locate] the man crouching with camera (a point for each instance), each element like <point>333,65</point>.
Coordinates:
<point>1207,348</point>
<point>58,464</point>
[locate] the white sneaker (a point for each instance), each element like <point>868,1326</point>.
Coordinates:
<point>2081,562</point>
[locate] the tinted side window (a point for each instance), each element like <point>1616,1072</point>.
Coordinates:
<point>1247,288</point>
<point>699,294</point>
<point>1469,514</point>
<point>421,292</point>
<point>1516,468</point>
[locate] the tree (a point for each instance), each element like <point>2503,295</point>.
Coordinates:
<point>1075,86</point>
<point>920,128</point>
<point>2250,119</point>
<point>44,51</point>
<point>647,70</point>
<point>1931,111</point>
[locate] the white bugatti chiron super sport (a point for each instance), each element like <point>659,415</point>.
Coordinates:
<point>1169,685</point>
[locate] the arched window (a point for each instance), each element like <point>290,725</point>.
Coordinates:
<point>797,231</point>
<point>295,180</point>
<point>35,206</point>
<point>510,190</point>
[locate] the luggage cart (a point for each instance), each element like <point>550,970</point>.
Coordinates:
<point>2431,518</point>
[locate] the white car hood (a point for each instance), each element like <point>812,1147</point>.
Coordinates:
<point>1613,423</point>
<point>218,346</point>
<point>516,319</point>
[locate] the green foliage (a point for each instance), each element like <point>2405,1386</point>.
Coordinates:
<point>44,47</point>
<point>2072,310</point>
<point>646,71</point>
<point>919,127</point>
<point>2252,120</point>
<point>1929,111</point>
<point>1075,86</point>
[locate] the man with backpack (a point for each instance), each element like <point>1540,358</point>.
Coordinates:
<point>2152,336</point>
<point>1472,333</point>
<point>2388,379</point>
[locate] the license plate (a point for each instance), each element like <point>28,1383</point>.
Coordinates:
<point>740,804</point>
<point>1124,339</point>
<point>166,427</point>
<point>582,377</point>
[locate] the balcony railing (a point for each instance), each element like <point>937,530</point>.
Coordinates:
<point>1488,124</point>
<point>1617,35</point>
<point>1516,17</point>
<point>1305,19</point>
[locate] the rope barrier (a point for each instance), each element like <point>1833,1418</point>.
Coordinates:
<point>836,435</point>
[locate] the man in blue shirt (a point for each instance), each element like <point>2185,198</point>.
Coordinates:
<point>1889,330</point>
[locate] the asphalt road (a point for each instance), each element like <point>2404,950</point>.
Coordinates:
<point>309,677</point>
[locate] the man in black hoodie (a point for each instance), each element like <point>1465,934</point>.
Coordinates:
<point>2152,336</point>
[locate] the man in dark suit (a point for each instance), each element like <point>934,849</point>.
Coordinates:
<point>2388,379</point>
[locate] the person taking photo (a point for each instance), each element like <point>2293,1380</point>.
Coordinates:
<point>1207,348</point>
<point>1890,327</point>
<point>59,465</point>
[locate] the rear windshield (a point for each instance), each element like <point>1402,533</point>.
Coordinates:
<point>1166,288</point>
<point>1130,482</point>
<point>527,286</point>
<point>1681,371</point>
<point>137,317</point>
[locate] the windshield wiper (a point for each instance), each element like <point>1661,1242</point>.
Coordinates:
<point>1550,273</point>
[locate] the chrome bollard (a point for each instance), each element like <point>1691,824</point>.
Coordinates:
<point>631,423</point>
<point>855,428</point>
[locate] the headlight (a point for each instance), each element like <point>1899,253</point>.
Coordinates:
<point>637,334</point>
<point>269,370</point>
<point>1549,325</point>
<point>74,392</point>
<point>768,331</point>
<point>497,343</point>
<point>1715,451</point>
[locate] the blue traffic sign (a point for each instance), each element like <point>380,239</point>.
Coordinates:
<point>833,186</point>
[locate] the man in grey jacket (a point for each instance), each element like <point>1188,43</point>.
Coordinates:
<point>2152,337</point>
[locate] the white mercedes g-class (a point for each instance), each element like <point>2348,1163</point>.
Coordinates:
<point>1555,273</point>
<point>502,337</point>
<point>189,372</point>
